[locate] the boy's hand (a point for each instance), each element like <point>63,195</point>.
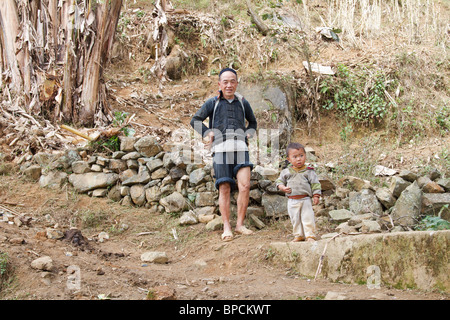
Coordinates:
<point>285,189</point>
<point>316,200</point>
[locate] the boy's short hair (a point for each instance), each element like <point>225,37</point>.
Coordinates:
<point>294,145</point>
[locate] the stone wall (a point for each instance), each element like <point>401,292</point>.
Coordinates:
<point>142,174</point>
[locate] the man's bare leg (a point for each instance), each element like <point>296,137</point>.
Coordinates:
<point>224,207</point>
<point>243,181</point>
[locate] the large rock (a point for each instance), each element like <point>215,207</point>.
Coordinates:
<point>364,201</point>
<point>176,173</point>
<point>148,146</point>
<point>54,179</point>
<point>44,159</point>
<point>444,183</point>
<point>325,183</point>
<point>353,183</point>
<point>188,217</point>
<point>408,175</point>
<point>154,257</point>
<point>416,259</point>
<point>379,170</point>
<point>197,176</point>
<point>274,205</point>
<point>33,171</point>
<point>43,263</point>
<point>80,167</point>
<point>153,194</point>
<point>92,180</point>
<point>117,165</point>
<point>127,143</point>
<point>267,172</point>
<point>215,224</point>
<point>205,199</point>
<point>137,194</point>
<point>160,173</point>
<point>435,204</point>
<point>178,158</point>
<point>386,198</point>
<point>397,186</point>
<point>407,208</point>
<point>174,202</point>
<point>142,177</point>
<point>432,187</point>
<point>341,215</point>
<point>268,97</point>
<point>154,164</point>
<point>176,62</point>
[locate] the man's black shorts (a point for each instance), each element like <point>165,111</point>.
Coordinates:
<point>227,164</point>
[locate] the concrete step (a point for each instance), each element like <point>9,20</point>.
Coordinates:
<point>414,260</point>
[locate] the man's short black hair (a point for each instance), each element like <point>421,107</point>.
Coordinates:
<point>294,145</point>
<point>227,69</point>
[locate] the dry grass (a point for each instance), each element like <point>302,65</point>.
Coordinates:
<point>397,38</point>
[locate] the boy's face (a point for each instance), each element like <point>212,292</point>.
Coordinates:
<point>297,157</point>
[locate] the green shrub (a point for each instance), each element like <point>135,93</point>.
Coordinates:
<point>433,223</point>
<point>357,95</point>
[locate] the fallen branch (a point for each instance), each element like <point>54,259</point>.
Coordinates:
<point>75,131</point>
<point>319,268</point>
<point>11,211</point>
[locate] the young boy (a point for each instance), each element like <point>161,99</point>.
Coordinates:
<point>301,184</point>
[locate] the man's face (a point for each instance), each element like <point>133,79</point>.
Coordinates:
<point>228,84</point>
<point>297,157</point>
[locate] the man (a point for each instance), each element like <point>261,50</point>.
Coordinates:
<point>228,135</point>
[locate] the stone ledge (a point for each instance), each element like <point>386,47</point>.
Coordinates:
<point>416,259</point>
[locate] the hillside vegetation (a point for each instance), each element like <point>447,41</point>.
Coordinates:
<point>389,93</point>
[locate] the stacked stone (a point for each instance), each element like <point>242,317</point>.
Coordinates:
<point>142,174</point>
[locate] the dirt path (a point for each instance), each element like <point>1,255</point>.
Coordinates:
<point>200,266</point>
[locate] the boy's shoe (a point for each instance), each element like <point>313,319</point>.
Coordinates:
<point>298,239</point>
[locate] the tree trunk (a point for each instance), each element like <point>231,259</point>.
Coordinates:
<point>9,21</point>
<point>55,52</point>
<point>91,97</point>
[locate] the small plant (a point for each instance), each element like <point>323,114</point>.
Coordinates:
<point>269,254</point>
<point>110,144</point>
<point>433,223</point>
<point>346,131</point>
<point>6,271</point>
<point>443,119</point>
<point>3,263</point>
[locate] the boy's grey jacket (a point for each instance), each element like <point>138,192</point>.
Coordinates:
<point>303,182</point>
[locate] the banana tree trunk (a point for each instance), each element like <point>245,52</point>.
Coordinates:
<point>55,52</point>
<point>9,22</point>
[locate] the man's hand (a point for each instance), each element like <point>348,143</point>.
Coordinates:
<point>209,140</point>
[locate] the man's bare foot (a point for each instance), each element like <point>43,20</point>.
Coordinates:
<point>227,236</point>
<point>243,230</point>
